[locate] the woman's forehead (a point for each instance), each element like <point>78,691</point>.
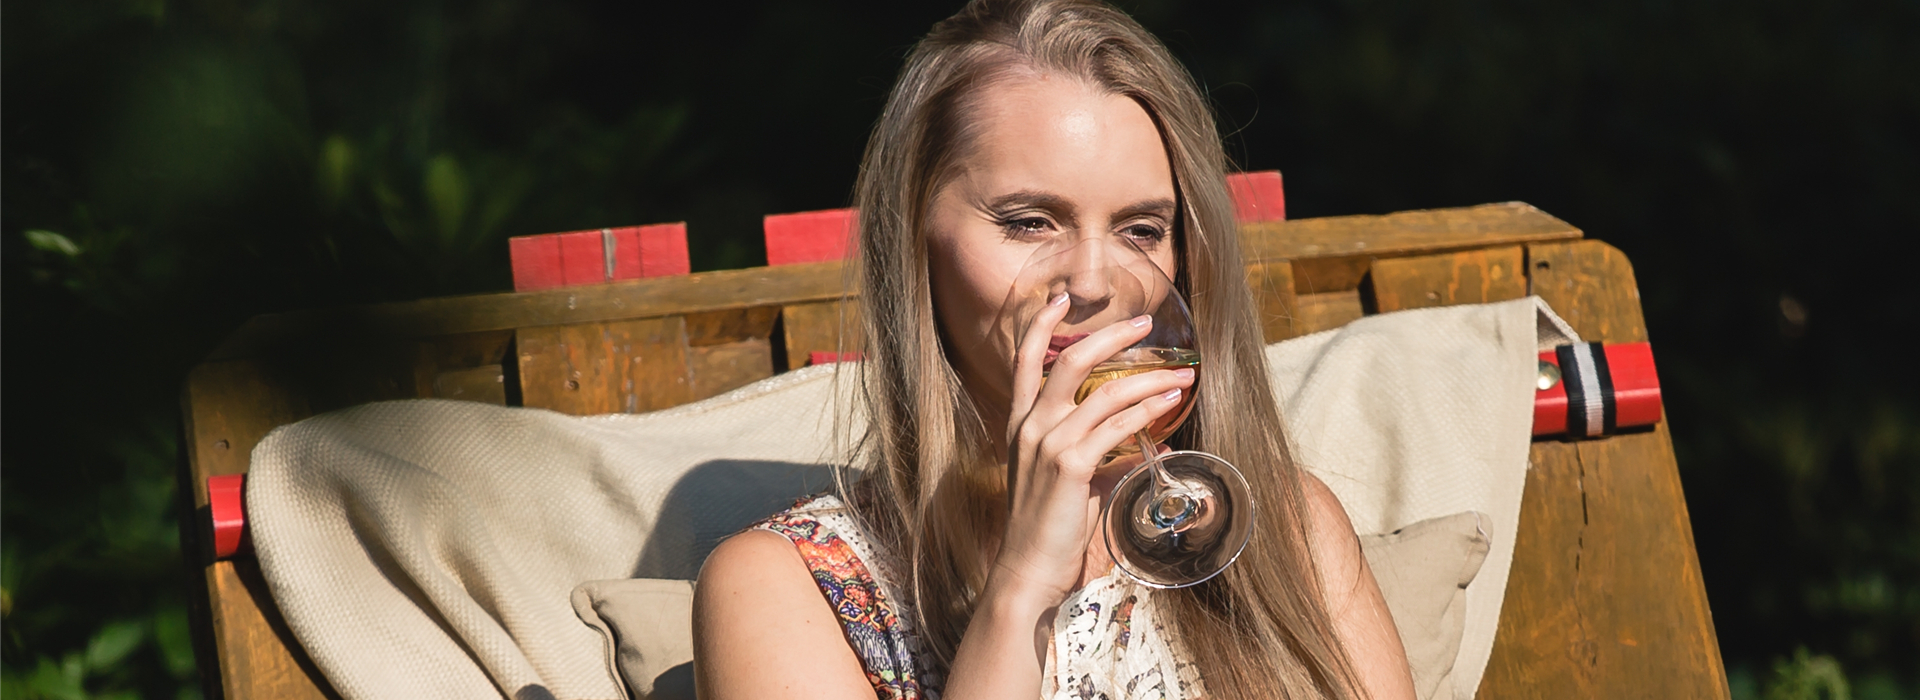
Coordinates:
<point>1063,135</point>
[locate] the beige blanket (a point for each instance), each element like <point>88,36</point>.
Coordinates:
<point>427,549</point>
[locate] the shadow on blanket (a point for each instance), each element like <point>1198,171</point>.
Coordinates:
<point>719,498</point>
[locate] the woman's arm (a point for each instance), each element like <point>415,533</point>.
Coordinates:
<point>1359,613</point>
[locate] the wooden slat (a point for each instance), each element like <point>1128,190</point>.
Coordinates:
<point>717,369</point>
<point>731,325</point>
<point>427,318</point>
<point>465,367</point>
<point>1402,233</point>
<point>1591,285</point>
<point>612,367</point>
<point>816,327</point>
<point>1605,597</point>
<point>482,384</point>
<point>1318,312</point>
<point>1322,275</point>
<point>729,349</point>
<point>1272,287</point>
<point>1466,277</point>
<point>258,655</point>
<point>228,407</point>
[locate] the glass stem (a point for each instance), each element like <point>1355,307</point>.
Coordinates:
<point>1162,481</point>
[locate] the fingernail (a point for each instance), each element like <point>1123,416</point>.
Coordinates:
<point>1058,300</point>
<point>1141,321</point>
<point>1184,373</point>
<point>1171,395</point>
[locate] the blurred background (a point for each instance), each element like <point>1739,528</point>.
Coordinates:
<point>173,167</point>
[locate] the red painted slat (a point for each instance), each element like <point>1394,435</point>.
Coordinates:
<point>827,357</point>
<point>629,260</point>
<point>1258,196</point>
<point>581,258</point>
<point>663,250</point>
<point>810,236</point>
<point>536,262</point>
<point>550,260</point>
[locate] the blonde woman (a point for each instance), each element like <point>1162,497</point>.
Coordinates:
<point>1016,122</point>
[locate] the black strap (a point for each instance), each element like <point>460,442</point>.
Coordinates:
<point>1577,378</point>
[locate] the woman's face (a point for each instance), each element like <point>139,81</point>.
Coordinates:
<point>1053,157</point>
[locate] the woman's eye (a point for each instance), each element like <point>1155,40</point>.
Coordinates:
<point>1026,226</point>
<point>1145,235</point>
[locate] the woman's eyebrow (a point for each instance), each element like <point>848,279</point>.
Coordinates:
<point>1049,201</point>
<point>1161,207</point>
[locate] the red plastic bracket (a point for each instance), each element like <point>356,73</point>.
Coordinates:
<point>1635,396</point>
<point>227,505</point>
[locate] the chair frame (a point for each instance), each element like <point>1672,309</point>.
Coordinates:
<point>1605,597</point>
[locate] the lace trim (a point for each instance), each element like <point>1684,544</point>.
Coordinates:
<point>1108,642</point>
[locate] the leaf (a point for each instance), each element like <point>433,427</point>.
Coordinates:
<point>333,170</point>
<point>62,681</point>
<point>113,643</point>
<point>447,194</point>
<point>51,242</point>
<point>1807,677</point>
<point>174,638</point>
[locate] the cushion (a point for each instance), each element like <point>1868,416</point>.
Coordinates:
<point>1423,570</point>
<point>648,627</point>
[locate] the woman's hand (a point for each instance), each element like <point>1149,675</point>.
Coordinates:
<point>1056,446</point>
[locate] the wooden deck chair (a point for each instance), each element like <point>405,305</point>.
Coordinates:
<point>1604,600</point>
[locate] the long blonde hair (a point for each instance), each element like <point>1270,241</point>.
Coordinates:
<point>925,444</point>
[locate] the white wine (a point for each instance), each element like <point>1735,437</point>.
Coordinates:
<point>1134,361</point>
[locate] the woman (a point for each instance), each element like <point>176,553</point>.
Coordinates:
<point>965,564</point>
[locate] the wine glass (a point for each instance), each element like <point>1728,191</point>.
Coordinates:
<point>1180,517</point>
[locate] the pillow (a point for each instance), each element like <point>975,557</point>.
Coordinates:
<point>648,627</point>
<point>1423,570</point>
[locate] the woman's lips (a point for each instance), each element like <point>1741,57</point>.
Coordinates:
<point>1058,343</point>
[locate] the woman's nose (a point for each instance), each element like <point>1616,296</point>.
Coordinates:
<point>1090,278</point>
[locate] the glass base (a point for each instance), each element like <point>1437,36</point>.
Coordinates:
<point>1185,532</point>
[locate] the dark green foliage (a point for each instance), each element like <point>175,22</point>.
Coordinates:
<point>172,168</point>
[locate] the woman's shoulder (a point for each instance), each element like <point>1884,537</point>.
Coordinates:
<point>799,588</point>
<point>767,547</point>
<point>1335,547</point>
<point>757,617</point>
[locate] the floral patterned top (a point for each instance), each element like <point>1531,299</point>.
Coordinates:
<point>1096,651</point>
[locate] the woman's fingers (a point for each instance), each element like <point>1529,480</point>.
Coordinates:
<point>1080,443</point>
<point>1116,396</point>
<point>1030,358</point>
<point>1071,368</point>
